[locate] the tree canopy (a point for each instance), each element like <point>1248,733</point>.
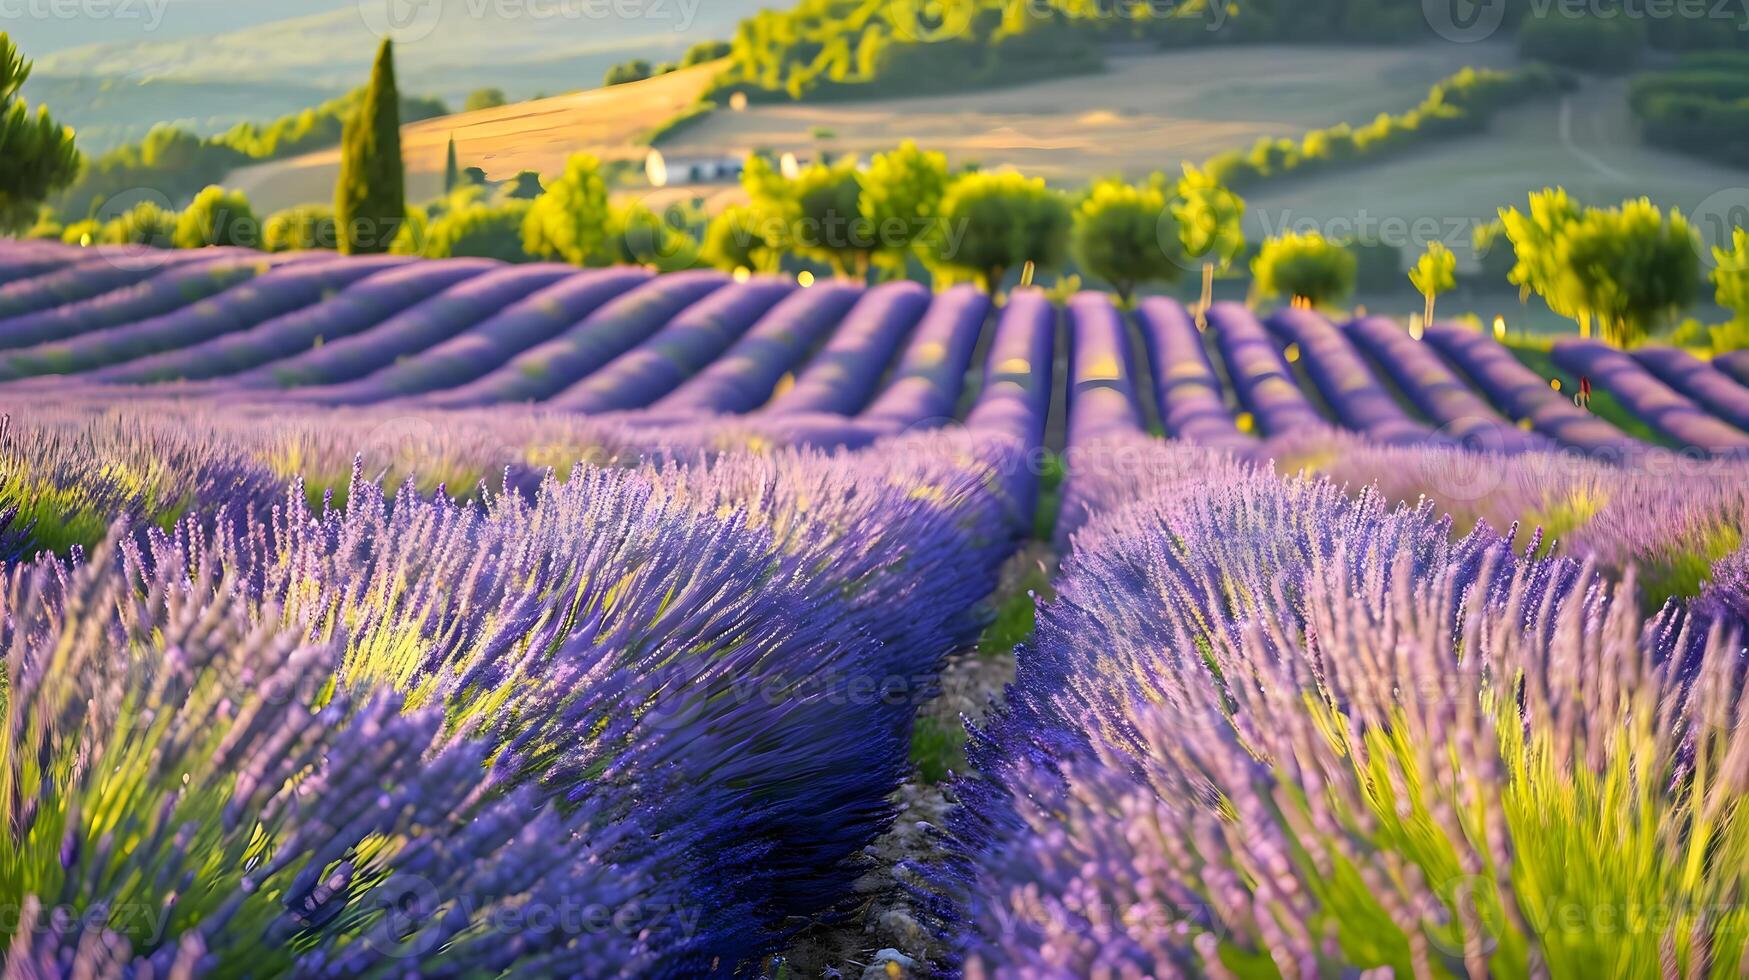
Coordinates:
<point>37,155</point>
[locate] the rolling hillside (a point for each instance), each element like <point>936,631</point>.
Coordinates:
<point>445,49</point>
<point>537,135</point>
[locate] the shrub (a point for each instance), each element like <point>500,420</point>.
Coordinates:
<point>1296,817</point>
<point>1306,267</point>
<point>479,230</point>
<point>1125,235</point>
<point>732,241</point>
<point>569,221</point>
<point>635,70</point>
<point>639,236</point>
<point>144,224</point>
<point>218,217</point>
<point>485,98</point>
<point>704,51</point>
<point>1001,220</point>
<point>1460,103</point>
<point>301,229</point>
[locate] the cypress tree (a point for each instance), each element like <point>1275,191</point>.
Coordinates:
<point>452,172</point>
<point>370,200</point>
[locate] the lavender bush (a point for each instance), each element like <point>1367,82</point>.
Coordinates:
<point>926,383</point>
<point>290,287</point>
<point>409,332</point>
<point>677,351</point>
<point>1708,386</point>
<point>1271,729</point>
<point>745,376</point>
<point>1434,388</point>
<point>493,341</point>
<point>1259,375</point>
<point>843,375</point>
<point>1640,392</point>
<point>1192,406</point>
<point>1348,384</point>
<point>81,280</point>
<point>173,288</point>
<point>548,368</point>
<point>1519,393</point>
<point>355,309</point>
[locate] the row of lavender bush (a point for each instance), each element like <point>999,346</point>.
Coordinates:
<point>639,722</point>
<point>1270,728</point>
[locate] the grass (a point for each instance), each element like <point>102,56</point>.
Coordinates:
<point>938,748</point>
<point>1050,498</point>
<point>1534,354</point>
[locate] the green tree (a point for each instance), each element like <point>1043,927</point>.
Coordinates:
<point>1632,268</point>
<point>37,156</point>
<point>1731,277</point>
<point>1434,273</point>
<point>300,229</point>
<point>143,224</point>
<point>218,217</point>
<point>484,98</point>
<point>818,215</point>
<point>570,221</point>
<point>1536,236</point>
<point>452,171</point>
<point>992,222</point>
<point>635,70</point>
<point>733,241</point>
<point>900,201</point>
<point>1124,235</point>
<point>370,202</point>
<point>640,236</point>
<point>476,229</point>
<point>1210,228</point>
<point>704,51</point>
<point>1308,267</point>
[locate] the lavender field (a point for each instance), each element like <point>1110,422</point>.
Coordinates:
<point>389,617</point>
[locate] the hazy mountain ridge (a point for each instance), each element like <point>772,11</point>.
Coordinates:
<point>444,47</point>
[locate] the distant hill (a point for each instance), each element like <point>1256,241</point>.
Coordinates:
<point>108,112</point>
<point>135,22</point>
<point>537,135</point>
<point>445,48</point>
